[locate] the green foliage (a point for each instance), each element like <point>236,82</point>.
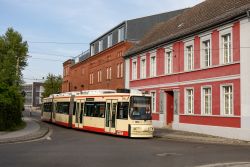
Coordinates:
<point>52,85</point>
<point>13,59</point>
<point>11,105</point>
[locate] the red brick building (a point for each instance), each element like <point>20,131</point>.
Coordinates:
<point>102,67</point>
<point>196,68</point>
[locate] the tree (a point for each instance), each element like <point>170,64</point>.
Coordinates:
<point>13,59</point>
<point>52,85</point>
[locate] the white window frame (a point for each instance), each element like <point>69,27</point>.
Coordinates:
<point>134,69</point>
<point>110,73</point>
<point>224,32</point>
<point>168,69</point>
<point>92,49</point>
<point>91,78</point>
<point>202,51</point>
<point>186,54</point>
<point>186,101</point>
<point>107,73</point>
<point>153,64</point>
<point>100,45</point>
<point>153,101</point>
<point>203,100</point>
<point>110,38</point>
<point>121,71</point>
<point>100,76</point>
<point>222,100</point>
<point>118,70</point>
<point>121,34</point>
<point>143,67</point>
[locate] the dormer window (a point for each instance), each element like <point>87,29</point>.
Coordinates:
<point>92,50</point>
<point>121,34</point>
<point>109,40</point>
<point>100,45</point>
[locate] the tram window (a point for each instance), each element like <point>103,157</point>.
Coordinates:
<point>47,107</point>
<point>94,109</point>
<point>122,110</point>
<point>62,107</point>
<point>74,109</point>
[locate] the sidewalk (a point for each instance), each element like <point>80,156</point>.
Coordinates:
<point>34,130</point>
<point>169,134</point>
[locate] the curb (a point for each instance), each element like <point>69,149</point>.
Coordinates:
<point>40,134</point>
<point>201,139</point>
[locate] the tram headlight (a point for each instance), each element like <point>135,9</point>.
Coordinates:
<point>150,129</point>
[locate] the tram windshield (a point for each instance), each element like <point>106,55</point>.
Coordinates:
<point>140,108</point>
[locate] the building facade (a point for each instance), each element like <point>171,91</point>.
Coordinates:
<point>102,67</point>
<point>195,68</point>
<point>33,94</point>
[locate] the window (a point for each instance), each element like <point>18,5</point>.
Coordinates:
<point>91,78</point>
<point>92,50</point>
<point>189,101</point>
<point>118,70</point>
<point>121,66</point>
<point>62,107</point>
<point>134,69</point>
<point>121,34</point>
<point>153,65</point>
<point>109,72</point>
<point>94,109</point>
<point>227,99</point>
<point>122,110</point>
<point>99,73</point>
<point>226,48</point>
<point>47,107</point>
<point>100,45</point>
<point>143,67</point>
<point>110,40</point>
<point>206,54</point>
<point>189,58</point>
<point>153,102</point>
<point>168,62</point>
<point>207,100</point>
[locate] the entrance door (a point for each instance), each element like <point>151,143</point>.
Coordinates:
<point>110,116</point>
<point>170,107</point>
<point>79,113</point>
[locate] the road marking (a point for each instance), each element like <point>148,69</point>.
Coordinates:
<point>231,164</point>
<point>48,138</point>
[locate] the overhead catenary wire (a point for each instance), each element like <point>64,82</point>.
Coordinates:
<point>58,43</point>
<point>50,54</point>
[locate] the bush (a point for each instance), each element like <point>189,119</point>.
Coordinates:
<point>11,105</point>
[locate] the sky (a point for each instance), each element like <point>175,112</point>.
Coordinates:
<point>58,30</point>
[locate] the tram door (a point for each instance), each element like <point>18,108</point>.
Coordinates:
<point>54,112</point>
<point>110,116</point>
<point>79,113</point>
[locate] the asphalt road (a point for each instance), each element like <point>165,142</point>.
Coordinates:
<point>68,147</point>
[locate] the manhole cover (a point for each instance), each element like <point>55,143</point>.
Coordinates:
<point>167,154</point>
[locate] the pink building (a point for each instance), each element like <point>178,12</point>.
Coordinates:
<point>196,68</point>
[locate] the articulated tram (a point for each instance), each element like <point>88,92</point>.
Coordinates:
<point>122,112</point>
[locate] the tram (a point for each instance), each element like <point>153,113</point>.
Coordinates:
<point>121,112</point>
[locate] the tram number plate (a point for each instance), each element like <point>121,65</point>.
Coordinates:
<point>119,132</point>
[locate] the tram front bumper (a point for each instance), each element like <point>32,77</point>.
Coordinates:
<point>141,131</point>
